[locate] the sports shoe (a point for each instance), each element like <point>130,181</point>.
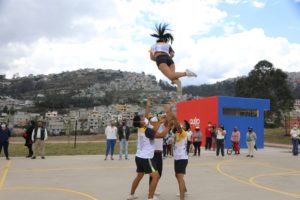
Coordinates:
<point>189,73</point>
<point>131,197</point>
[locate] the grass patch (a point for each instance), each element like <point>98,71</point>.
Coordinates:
<point>17,150</point>
<point>277,135</point>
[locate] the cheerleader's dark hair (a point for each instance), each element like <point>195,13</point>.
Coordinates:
<point>137,121</point>
<point>162,33</point>
<point>187,125</point>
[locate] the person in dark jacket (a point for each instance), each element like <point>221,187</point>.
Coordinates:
<point>38,137</point>
<point>123,133</point>
<point>27,136</point>
<point>5,134</point>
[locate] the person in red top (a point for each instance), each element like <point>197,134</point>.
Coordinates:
<point>208,135</point>
<point>235,139</point>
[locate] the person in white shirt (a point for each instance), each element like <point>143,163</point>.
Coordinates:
<point>181,156</point>
<point>221,132</point>
<point>295,135</point>
<point>111,132</point>
<point>162,53</point>
<point>145,150</point>
<point>158,143</point>
<point>189,140</point>
<point>38,137</point>
<point>250,140</point>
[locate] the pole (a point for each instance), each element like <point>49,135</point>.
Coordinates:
<point>75,134</point>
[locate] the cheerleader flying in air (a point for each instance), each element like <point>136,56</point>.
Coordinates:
<point>162,53</point>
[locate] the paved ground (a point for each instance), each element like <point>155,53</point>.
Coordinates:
<point>274,174</point>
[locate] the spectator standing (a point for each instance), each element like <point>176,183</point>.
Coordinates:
<point>197,140</point>
<point>123,132</point>
<point>214,137</point>
<point>235,139</point>
<point>111,138</point>
<point>27,136</point>
<point>5,135</point>
<point>220,140</point>
<point>208,135</point>
<point>295,134</point>
<point>251,139</point>
<point>39,136</point>
<point>189,140</point>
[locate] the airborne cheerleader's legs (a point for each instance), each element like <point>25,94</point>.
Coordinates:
<point>169,72</point>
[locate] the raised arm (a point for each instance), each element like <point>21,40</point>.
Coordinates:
<point>147,108</point>
<point>151,55</point>
<point>170,119</point>
<point>175,121</point>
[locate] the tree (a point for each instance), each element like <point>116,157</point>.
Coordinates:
<point>12,110</point>
<point>5,109</point>
<point>264,81</point>
<point>296,92</point>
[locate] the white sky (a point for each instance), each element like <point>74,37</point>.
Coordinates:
<point>212,37</point>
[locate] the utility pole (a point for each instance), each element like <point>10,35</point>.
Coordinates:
<point>75,139</point>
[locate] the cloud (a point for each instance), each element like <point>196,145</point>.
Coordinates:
<point>258,4</point>
<point>25,21</point>
<point>223,57</point>
<point>67,35</point>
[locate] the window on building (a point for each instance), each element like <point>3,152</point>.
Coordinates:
<point>241,112</point>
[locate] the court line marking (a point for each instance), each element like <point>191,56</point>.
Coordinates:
<point>51,189</point>
<point>100,168</point>
<point>251,180</point>
<point>4,174</point>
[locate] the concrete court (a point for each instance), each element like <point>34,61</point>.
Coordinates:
<point>274,174</point>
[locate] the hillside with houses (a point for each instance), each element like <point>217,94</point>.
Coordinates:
<point>86,100</point>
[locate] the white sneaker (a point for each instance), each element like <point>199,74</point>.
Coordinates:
<point>131,197</point>
<point>157,194</point>
<point>189,73</point>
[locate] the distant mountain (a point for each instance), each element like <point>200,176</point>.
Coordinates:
<point>223,88</point>
<point>89,87</point>
<point>85,87</point>
<point>227,87</point>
